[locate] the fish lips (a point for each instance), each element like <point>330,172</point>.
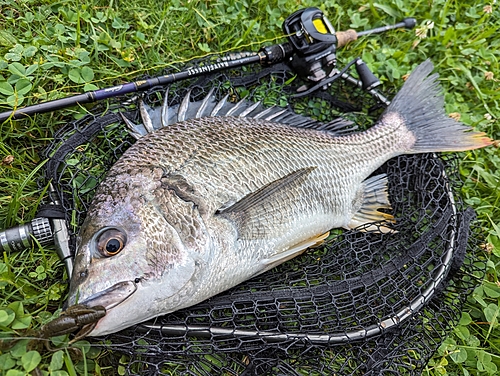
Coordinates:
<point>112,296</point>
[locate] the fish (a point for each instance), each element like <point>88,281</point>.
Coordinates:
<point>221,192</point>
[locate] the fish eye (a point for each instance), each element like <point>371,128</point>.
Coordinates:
<point>110,242</point>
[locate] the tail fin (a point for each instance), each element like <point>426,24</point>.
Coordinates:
<point>420,104</point>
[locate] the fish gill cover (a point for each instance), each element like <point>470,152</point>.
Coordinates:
<point>361,303</point>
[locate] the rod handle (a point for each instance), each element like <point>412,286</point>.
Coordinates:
<point>344,37</point>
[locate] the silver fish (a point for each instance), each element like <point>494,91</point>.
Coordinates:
<point>201,205</point>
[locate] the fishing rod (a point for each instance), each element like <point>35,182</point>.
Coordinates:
<point>311,53</point>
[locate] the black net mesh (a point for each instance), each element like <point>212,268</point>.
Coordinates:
<point>362,303</point>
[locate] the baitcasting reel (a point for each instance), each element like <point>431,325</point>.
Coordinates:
<point>315,42</point>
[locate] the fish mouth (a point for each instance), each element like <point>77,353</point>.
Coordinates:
<point>112,296</point>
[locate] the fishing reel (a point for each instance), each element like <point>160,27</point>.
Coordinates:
<point>311,52</point>
<point>314,42</point>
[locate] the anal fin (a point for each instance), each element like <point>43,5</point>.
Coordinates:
<point>372,196</point>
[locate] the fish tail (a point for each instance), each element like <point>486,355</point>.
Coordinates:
<point>420,106</point>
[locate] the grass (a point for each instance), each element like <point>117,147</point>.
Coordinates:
<point>52,49</point>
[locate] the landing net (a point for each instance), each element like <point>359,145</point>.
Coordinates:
<point>362,303</point>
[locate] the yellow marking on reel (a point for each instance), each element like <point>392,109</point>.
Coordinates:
<point>320,26</point>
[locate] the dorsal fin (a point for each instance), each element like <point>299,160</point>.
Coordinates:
<point>204,104</point>
<point>183,108</point>
<point>218,106</point>
<point>155,118</point>
<point>164,110</point>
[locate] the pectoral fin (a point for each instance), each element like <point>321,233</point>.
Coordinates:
<point>372,196</point>
<point>261,214</point>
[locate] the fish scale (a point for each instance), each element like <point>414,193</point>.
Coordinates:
<point>200,205</point>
